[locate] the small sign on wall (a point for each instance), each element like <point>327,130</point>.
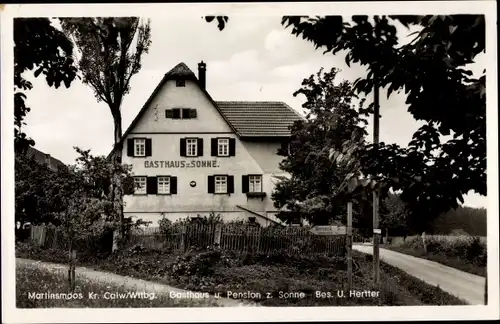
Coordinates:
<point>182,164</point>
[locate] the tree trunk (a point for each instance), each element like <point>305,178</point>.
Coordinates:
<point>117,188</point>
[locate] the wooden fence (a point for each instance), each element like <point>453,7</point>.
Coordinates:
<point>240,239</point>
<point>181,237</point>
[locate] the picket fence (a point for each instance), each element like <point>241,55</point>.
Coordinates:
<point>251,239</point>
<point>295,240</point>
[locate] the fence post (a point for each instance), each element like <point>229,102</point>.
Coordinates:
<point>349,245</point>
<point>217,235</point>
<point>183,238</point>
<point>71,270</point>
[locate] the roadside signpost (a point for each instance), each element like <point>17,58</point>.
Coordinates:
<point>341,230</point>
<point>329,230</point>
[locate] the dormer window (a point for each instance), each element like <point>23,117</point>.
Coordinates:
<point>180,83</point>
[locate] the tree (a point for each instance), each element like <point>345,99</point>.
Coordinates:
<point>40,46</point>
<point>441,91</point>
<point>394,215</point>
<point>108,60</point>
<point>313,190</point>
<point>32,204</point>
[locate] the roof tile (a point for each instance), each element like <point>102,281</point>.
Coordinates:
<point>259,118</point>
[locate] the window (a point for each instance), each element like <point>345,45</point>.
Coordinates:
<point>220,184</point>
<point>140,185</point>
<point>180,113</point>
<point>223,147</point>
<point>191,147</point>
<point>185,113</point>
<point>140,147</point>
<point>255,183</point>
<point>180,83</point>
<point>163,185</point>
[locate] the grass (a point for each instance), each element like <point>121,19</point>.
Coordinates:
<point>269,281</point>
<point>464,253</point>
<point>33,282</point>
<point>453,262</point>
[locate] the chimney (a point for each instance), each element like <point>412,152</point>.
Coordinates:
<point>202,72</point>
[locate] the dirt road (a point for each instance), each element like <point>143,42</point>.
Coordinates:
<point>133,284</point>
<point>461,284</point>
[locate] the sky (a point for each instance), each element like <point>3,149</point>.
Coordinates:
<point>253,58</point>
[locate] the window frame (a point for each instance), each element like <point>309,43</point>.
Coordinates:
<point>225,177</point>
<point>195,145</point>
<point>250,176</point>
<point>145,187</point>
<point>136,139</point>
<point>227,139</point>
<point>168,182</point>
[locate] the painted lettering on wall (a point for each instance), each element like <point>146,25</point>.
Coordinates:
<point>182,164</point>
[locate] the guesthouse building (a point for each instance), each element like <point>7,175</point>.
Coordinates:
<point>192,156</point>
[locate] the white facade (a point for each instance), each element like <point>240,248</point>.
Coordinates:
<point>160,148</point>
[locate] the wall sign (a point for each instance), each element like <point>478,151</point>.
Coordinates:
<point>182,164</point>
<point>192,184</point>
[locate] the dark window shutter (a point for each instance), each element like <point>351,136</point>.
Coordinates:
<point>244,184</point>
<point>192,113</point>
<point>169,113</point>
<point>173,185</point>
<point>128,186</point>
<point>211,184</point>
<point>152,186</point>
<point>183,147</point>
<point>230,184</point>
<point>149,147</point>
<point>214,146</point>
<point>176,113</point>
<point>185,113</point>
<point>232,147</point>
<point>200,146</point>
<point>130,147</point>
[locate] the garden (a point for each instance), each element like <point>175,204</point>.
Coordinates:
<point>266,276</point>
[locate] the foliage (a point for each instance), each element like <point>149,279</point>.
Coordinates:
<point>74,198</point>
<point>394,214</point>
<point>332,117</point>
<point>221,21</point>
<point>467,253</point>
<point>38,46</point>
<point>440,89</point>
<point>107,62</point>
<point>32,203</point>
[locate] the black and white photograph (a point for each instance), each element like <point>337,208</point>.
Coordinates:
<point>318,161</point>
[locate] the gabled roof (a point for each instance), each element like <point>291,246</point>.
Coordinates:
<point>259,118</point>
<point>43,158</point>
<point>268,119</point>
<point>180,71</point>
